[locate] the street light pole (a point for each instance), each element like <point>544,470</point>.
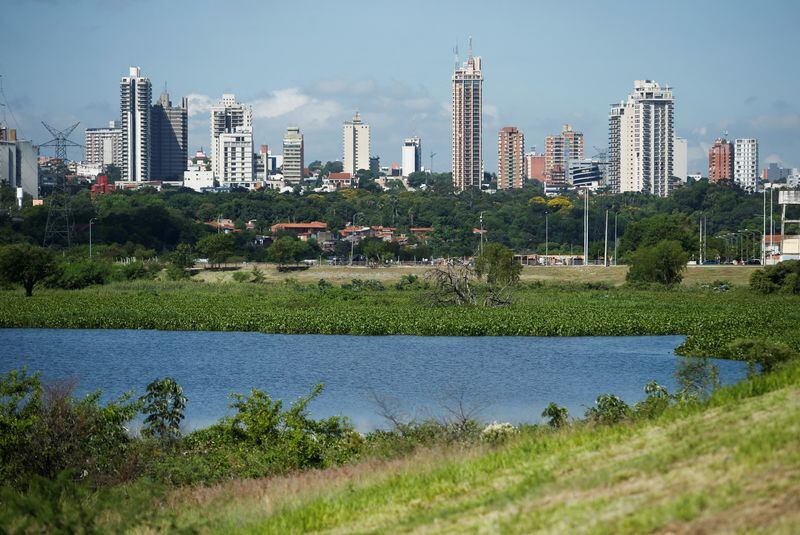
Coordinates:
<point>605,249</point>
<point>546,238</point>
<point>91,222</point>
<point>481,233</point>
<point>615,238</point>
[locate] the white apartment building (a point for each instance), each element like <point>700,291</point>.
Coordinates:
<point>293,157</point>
<point>356,145</point>
<point>135,96</point>
<point>745,163</point>
<point>230,117</point>
<point>641,141</point>
<point>680,160</point>
<point>235,157</point>
<point>104,145</point>
<point>411,160</point>
<point>467,125</point>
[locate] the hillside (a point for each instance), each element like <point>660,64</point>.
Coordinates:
<point>731,466</point>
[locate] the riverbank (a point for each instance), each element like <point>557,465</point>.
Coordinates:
<point>711,319</point>
<point>730,465</point>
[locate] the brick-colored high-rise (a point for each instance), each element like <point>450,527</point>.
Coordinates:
<point>720,160</point>
<point>534,166</point>
<point>510,158</point>
<point>558,151</point>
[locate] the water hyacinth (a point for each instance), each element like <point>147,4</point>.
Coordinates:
<point>495,432</point>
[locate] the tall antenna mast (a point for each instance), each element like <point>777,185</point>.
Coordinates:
<point>455,57</point>
<point>470,46</point>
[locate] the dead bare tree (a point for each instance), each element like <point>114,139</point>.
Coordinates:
<point>389,409</point>
<point>452,283</point>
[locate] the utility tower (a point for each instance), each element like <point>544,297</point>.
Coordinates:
<point>58,230</point>
<point>60,140</point>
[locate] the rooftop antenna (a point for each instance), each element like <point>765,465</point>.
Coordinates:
<point>470,46</point>
<point>455,56</point>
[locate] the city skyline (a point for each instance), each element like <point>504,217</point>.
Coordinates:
<point>401,87</point>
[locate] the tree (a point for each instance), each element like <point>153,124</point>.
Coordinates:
<point>163,404</point>
<point>662,263</point>
<point>498,265</point>
<point>501,270</point>
<point>25,264</point>
<point>558,417</point>
<point>217,247</point>
<point>113,173</point>
<point>285,250</point>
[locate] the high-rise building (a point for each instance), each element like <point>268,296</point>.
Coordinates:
<point>559,150</point>
<point>104,145</point>
<point>467,141</point>
<point>510,158</point>
<point>375,165</point>
<point>135,96</point>
<point>18,165</point>
<point>587,173</point>
<point>169,138</point>
<point>720,160</point>
<point>293,161</point>
<point>534,166</point>
<point>745,163</point>
<point>235,122</point>
<point>356,145</point>
<point>641,138</point>
<point>411,156</point>
<point>680,165</point>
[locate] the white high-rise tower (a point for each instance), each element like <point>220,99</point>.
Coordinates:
<point>411,156</point>
<point>356,145</point>
<point>135,96</point>
<point>745,163</point>
<point>232,140</point>
<point>641,140</point>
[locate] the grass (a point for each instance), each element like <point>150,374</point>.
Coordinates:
<point>614,275</point>
<point>730,465</point>
<point>710,319</point>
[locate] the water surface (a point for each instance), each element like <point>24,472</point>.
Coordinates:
<point>509,378</point>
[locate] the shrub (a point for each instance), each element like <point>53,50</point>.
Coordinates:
<point>657,400</point>
<point>768,355</point>
<point>697,378</point>
<point>163,405</point>
<point>257,275</point>
<point>406,281</point>
<point>497,433</point>
<point>241,276</point>
<point>557,417</point>
<point>323,285</point>
<point>608,409</point>
<point>358,285</point>
<point>77,275</point>
<point>20,405</point>
<point>784,277</point>
<point>662,263</point>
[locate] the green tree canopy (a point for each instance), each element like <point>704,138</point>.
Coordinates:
<point>25,264</point>
<point>662,263</point>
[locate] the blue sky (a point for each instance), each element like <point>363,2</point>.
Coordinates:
<point>733,66</point>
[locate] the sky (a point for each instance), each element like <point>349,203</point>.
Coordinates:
<point>732,64</point>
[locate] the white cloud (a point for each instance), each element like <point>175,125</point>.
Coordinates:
<point>199,104</point>
<point>280,102</point>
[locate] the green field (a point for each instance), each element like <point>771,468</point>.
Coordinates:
<point>710,319</point>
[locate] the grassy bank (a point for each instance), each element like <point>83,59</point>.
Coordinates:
<point>710,319</point>
<point>728,464</point>
<point>732,465</point>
